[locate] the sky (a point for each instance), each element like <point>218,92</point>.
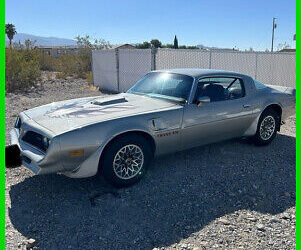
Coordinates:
<point>220,23</point>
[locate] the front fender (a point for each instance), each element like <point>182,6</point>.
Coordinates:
<point>90,166</point>
<point>96,137</point>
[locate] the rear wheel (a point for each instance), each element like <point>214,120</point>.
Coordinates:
<point>125,161</point>
<point>268,124</point>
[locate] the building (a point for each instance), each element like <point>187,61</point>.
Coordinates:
<point>123,46</point>
<point>57,51</point>
<point>287,50</point>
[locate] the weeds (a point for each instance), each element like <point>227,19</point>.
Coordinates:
<point>23,64</point>
<point>22,69</point>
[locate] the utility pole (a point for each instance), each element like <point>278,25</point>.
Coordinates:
<point>274,27</point>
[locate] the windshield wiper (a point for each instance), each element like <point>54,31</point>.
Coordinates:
<point>136,93</point>
<point>171,98</point>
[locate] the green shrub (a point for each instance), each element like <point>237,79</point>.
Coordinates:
<point>48,63</point>
<point>69,65</point>
<point>22,69</point>
<point>75,65</point>
<point>23,63</point>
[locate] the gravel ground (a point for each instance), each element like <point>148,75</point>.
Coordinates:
<point>229,195</point>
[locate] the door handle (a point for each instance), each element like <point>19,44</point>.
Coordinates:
<point>246,106</point>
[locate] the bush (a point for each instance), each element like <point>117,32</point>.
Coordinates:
<point>48,63</point>
<point>23,63</point>
<point>22,69</point>
<point>71,65</point>
<point>75,65</point>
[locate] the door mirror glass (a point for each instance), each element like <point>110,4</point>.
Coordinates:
<point>203,99</point>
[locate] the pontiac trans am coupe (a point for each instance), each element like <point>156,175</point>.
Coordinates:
<point>164,112</point>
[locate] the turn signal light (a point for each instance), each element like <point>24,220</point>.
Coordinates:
<point>78,152</point>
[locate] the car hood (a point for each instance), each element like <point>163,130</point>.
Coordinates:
<point>60,117</point>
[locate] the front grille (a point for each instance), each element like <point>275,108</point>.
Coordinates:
<point>35,140</point>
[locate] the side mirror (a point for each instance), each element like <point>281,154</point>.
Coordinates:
<point>203,99</point>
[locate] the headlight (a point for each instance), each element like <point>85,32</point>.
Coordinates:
<point>46,143</point>
<point>37,140</point>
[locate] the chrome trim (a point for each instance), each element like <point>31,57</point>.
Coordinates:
<point>28,144</point>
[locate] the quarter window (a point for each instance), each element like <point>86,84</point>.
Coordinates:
<point>220,88</point>
<point>259,85</point>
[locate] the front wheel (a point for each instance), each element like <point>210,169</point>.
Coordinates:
<point>125,161</point>
<point>268,124</point>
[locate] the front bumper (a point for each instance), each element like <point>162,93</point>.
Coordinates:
<point>30,156</point>
<point>39,163</point>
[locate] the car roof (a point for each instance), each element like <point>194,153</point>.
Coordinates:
<point>198,72</point>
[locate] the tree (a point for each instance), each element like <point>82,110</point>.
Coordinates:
<point>80,64</point>
<point>282,46</point>
<point>85,42</point>
<point>10,31</point>
<point>192,47</point>
<point>169,45</point>
<point>29,44</point>
<point>156,43</point>
<point>144,45</point>
<point>175,43</point>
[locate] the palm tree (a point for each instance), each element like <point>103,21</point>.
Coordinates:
<point>10,31</point>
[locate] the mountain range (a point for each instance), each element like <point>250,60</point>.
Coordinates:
<point>56,41</point>
<point>41,40</point>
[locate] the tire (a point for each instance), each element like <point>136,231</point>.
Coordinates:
<point>126,160</point>
<point>265,134</point>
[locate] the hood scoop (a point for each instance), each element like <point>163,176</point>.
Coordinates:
<point>110,102</point>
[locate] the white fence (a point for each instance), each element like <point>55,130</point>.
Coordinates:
<point>133,64</point>
<point>104,69</point>
<point>118,70</point>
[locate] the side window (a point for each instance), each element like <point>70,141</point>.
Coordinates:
<point>236,90</point>
<point>220,89</point>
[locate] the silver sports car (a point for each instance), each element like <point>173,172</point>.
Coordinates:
<point>164,112</point>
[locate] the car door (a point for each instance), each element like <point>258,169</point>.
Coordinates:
<point>226,116</point>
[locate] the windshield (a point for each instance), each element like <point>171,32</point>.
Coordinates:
<point>164,85</point>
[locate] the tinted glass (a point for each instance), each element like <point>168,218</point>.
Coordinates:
<point>220,89</point>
